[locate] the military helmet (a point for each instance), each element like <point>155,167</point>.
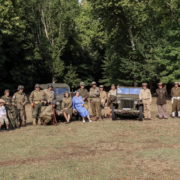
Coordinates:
<point>93,83</point>
<point>20,87</point>
<point>101,86</point>
<point>37,86</point>
<point>82,84</point>
<point>50,85</point>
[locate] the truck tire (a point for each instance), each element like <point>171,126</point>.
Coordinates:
<point>141,115</point>
<point>114,116</point>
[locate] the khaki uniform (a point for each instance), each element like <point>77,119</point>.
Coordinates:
<point>146,97</point>
<point>36,98</point>
<point>175,94</point>
<point>95,101</point>
<point>103,97</point>
<point>20,100</point>
<point>49,95</point>
<point>67,105</point>
<point>112,97</point>
<point>11,111</point>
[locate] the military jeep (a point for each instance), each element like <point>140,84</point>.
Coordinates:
<point>127,104</point>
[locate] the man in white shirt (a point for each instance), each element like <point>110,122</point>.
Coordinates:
<point>3,115</point>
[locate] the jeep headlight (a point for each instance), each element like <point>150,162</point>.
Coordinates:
<point>135,102</point>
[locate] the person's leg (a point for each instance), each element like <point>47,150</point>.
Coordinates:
<point>178,107</point>
<point>98,109</point>
<point>149,111</point>
<point>83,118</point>
<point>164,109</point>
<point>68,118</point>
<point>160,113</point>
<point>22,117</point>
<point>6,122</point>
<point>145,111</point>
<point>65,116</point>
<point>89,118</point>
<point>93,109</point>
<point>174,107</point>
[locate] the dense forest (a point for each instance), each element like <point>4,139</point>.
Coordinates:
<point>123,42</point>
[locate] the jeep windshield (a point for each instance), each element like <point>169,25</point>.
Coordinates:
<point>127,90</point>
<point>59,91</point>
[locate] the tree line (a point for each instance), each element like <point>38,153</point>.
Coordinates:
<point>123,42</point>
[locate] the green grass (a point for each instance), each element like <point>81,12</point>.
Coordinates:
<point>104,150</point>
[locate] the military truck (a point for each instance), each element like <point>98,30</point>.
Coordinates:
<point>127,104</point>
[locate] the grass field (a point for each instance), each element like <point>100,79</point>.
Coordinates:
<point>103,150</point>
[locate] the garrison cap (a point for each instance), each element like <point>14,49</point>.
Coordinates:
<point>37,86</point>
<point>101,86</point>
<point>82,84</point>
<point>2,101</point>
<point>20,87</point>
<point>93,83</point>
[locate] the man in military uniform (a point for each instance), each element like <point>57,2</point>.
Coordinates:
<point>49,94</point>
<point>11,112</point>
<point>95,101</point>
<point>103,96</point>
<point>112,96</point>
<point>84,93</point>
<point>175,94</point>
<point>19,100</point>
<point>37,98</point>
<point>146,98</point>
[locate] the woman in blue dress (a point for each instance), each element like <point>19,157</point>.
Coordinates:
<point>78,105</point>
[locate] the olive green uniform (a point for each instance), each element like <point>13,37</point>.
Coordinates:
<point>20,100</point>
<point>49,95</point>
<point>103,97</point>
<point>11,111</point>
<point>175,94</point>
<point>36,99</point>
<point>95,102</point>
<point>67,105</point>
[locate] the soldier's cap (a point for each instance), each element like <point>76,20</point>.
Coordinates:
<point>50,85</point>
<point>20,87</point>
<point>2,101</point>
<point>82,84</point>
<point>144,84</point>
<point>37,86</point>
<point>101,86</point>
<point>93,83</point>
<point>112,85</point>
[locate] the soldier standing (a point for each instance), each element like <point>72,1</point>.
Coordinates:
<point>103,96</point>
<point>11,112</point>
<point>161,101</point>
<point>37,97</point>
<point>146,97</point>
<point>84,94</point>
<point>19,100</point>
<point>49,94</point>
<point>95,101</point>
<point>175,94</point>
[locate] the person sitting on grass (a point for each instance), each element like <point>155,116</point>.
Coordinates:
<point>78,105</point>
<point>3,115</point>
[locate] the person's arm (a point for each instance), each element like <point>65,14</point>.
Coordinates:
<point>140,95</point>
<point>25,100</point>
<point>31,98</point>
<point>150,95</point>
<point>70,104</point>
<point>62,105</point>
<point>73,103</point>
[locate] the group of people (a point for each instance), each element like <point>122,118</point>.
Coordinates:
<point>88,105</point>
